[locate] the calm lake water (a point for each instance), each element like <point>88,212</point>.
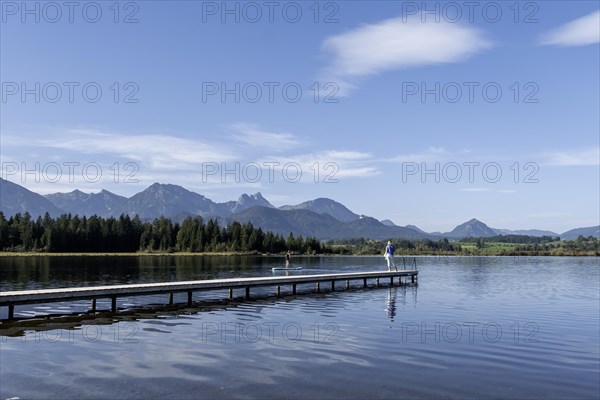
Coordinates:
<point>472,328</point>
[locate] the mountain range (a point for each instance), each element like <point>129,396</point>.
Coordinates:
<point>323,218</point>
<point>171,201</point>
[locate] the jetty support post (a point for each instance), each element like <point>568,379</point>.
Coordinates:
<point>113,304</point>
<point>94,305</point>
<point>189,299</point>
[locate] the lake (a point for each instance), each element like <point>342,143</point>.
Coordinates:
<point>472,328</point>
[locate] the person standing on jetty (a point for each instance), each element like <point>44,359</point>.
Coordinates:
<point>389,255</point>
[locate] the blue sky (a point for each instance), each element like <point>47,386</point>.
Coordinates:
<point>424,115</point>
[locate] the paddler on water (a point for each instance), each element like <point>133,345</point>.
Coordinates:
<point>288,259</point>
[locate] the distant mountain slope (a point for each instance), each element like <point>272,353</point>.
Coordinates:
<point>243,203</point>
<point>168,200</point>
<point>373,229</point>
<point>585,232</point>
<point>104,204</point>
<point>413,227</point>
<point>300,222</point>
<point>388,222</point>
<point>325,206</point>
<point>526,232</point>
<point>16,199</point>
<point>471,228</point>
<point>322,226</point>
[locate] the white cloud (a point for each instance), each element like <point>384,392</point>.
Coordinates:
<point>398,43</point>
<point>580,32</point>
<point>252,135</point>
<point>159,151</point>
<point>574,158</point>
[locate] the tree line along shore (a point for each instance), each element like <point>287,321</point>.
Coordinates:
<point>23,235</point>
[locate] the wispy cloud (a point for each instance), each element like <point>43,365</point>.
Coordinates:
<point>574,158</point>
<point>580,32</point>
<point>431,154</point>
<point>348,164</point>
<point>252,135</point>
<point>398,43</point>
<point>463,156</point>
<point>329,165</point>
<point>159,151</point>
<point>203,164</point>
<point>193,162</point>
<point>479,189</point>
<point>352,156</point>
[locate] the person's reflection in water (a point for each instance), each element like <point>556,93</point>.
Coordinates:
<point>391,303</point>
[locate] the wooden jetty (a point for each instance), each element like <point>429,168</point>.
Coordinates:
<point>14,298</point>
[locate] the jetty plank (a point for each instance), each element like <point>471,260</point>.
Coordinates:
<point>13,298</point>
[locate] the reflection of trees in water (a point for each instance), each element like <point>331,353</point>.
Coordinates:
<point>42,272</point>
<point>18,273</point>
<point>212,267</point>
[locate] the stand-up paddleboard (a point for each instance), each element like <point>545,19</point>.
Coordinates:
<point>286,269</point>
